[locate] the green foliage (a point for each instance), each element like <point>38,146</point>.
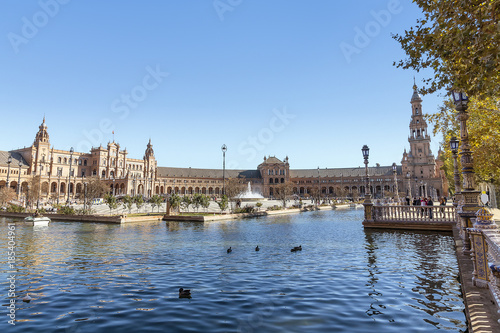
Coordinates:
<point>11,208</point>
<point>67,210</point>
<point>174,200</point>
<point>258,204</point>
<point>246,209</point>
<point>458,40</point>
<point>128,202</point>
<point>205,201</point>
<point>186,202</point>
<point>139,201</point>
<point>196,200</point>
<point>223,202</point>
<point>484,137</point>
<point>111,201</point>
<point>156,201</point>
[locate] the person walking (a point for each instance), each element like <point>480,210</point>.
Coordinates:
<point>430,203</point>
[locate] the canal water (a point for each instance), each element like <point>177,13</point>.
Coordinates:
<point>125,278</point>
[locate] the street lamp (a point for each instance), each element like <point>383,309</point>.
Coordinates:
<point>366,153</point>
<point>468,194</point>
<point>39,184</point>
<point>367,203</point>
<point>19,180</point>
<point>319,189</point>
<point>408,175</point>
<point>456,176</point>
<point>9,161</point>
<point>69,176</point>
<point>416,187</point>
<point>224,149</point>
<point>85,196</point>
<point>395,170</point>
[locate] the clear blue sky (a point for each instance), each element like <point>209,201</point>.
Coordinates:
<point>282,77</point>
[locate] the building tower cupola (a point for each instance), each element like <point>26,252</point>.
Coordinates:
<point>42,135</point>
<point>416,96</point>
<point>149,151</point>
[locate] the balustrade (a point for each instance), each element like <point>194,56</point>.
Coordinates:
<point>414,213</point>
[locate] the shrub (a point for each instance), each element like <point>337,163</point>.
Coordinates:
<point>67,210</point>
<point>15,209</point>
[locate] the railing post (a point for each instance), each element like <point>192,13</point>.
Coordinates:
<point>479,247</point>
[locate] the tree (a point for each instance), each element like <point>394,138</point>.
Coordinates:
<point>139,201</point>
<point>234,187</point>
<point>111,201</point>
<point>128,202</point>
<point>186,202</point>
<point>7,195</point>
<point>156,201</point>
<point>205,202</point>
<point>174,200</point>
<point>96,188</point>
<point>196,201</point>
<point>484,137</point>
<point>223,202</point>
<point>459,41</point>
<point>283,191</point>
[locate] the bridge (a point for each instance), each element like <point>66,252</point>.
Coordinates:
<point>477,239</point>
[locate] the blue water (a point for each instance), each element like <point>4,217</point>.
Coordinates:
<point>125,278</point>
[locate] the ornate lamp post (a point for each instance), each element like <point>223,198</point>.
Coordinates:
<point>319,189</point>
<point>85,196</point>
<point>469,195</point>
<point>19,180</point>
<point>224,149</point>
<point>69,176</point>
<point>367,203</point>
<point>416,187</point>
<point>456,176</point>
<point>9,161</point>
<point>39,184</point>
<point>395,170</point>
<point>408,175</point>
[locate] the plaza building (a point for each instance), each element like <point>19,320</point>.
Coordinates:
<point>63,173</point>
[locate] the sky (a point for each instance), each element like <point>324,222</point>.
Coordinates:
<point>313,81</point>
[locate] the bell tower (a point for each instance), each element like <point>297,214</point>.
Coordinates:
<point>149,162</point>
<point>40,148</point>
<point>419,164</point>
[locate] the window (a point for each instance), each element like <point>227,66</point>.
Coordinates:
<point>85,162</point>
<point>59,159</point>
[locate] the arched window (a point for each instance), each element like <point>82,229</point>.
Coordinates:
<point>85,162</point>
<point>59,159</point>
<point>103,174</point>
<point>270,180</point>
<point>65,160</point>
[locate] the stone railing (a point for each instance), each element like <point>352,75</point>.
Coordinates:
<point>414,214</point>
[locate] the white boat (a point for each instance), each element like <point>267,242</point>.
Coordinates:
<point>39,220</point>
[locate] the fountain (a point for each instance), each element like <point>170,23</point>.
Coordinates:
<point>248,195</point>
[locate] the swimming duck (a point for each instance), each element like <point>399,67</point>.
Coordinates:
<point>296,248</point>
<point>229,250</point>
<point>257,248</point>
<point>27,298</point>
<point>184,293</point>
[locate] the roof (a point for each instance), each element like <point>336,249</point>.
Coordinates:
<point>416,96</point>
<point>344,172</point>
<point>272,160</point>
<point>16,157</point>
<point>206,173</point>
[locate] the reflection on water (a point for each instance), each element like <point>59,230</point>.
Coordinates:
<point>114,278</point>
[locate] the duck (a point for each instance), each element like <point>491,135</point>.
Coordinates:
<point>257,248</point>
<point>296,248</point>
<point>184,293</point>
<point>229,250</point>
<point>27,298</point>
